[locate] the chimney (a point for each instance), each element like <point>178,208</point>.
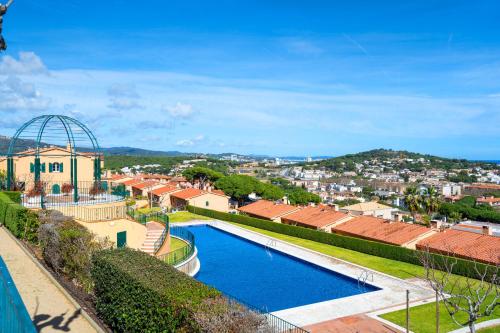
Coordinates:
<point>436,224</point>
<point>487,230</point>
<point>336,207</point>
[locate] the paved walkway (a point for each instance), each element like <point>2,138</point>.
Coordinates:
<point>48,307</point>
<point>352,324</point>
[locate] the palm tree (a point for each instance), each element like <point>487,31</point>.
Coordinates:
<point>431,201</point>
<point>412,200</point>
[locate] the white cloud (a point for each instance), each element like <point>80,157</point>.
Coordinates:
<point>191,142</point>
<point>28,63</point>
<point>16,95</point>
<point>180,110</point>
<point>124,97</point>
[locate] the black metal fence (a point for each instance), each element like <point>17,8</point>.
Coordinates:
<point>273,323</point>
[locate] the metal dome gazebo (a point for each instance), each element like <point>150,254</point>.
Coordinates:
<point>50,131</point>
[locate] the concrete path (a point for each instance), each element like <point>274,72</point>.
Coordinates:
<point>48,307</point>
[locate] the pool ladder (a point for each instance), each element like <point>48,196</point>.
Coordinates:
<point>271,243</point>
<point>364,276</point>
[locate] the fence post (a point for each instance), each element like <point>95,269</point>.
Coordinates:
<point>407,311</point>
<point>437,312</point>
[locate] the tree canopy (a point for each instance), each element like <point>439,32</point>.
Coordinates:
<point>202,174</point>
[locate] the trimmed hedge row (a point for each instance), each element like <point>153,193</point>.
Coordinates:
<point>462,266</point>
<point>22,222</point>
<point>136,292</point>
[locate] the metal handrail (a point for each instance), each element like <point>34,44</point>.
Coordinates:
<point>179,255</point>
<point>159,242</point>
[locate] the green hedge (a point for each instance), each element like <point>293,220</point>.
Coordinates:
<point>136,292</point>
<point>22,222</point>
<point>462,266</point>
<point>15,196</point>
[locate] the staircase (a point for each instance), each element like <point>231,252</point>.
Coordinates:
<point>154,231</point>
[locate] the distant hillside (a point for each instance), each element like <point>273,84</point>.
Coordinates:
<point>409,160</point>
<point>130,151</point>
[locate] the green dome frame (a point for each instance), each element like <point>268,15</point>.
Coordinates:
<point>43,129</point>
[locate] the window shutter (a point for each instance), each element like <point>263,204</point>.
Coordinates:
<point>60,167</point>
<point>50,167</point>
<point>32,167</point>
<point>43,167</point>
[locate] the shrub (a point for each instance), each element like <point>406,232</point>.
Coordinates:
<point>462,266</point>
<point>67,247</point>
<point>22,222</point>
<point>136,292</point>
<point>66,188</point>
<point>37,190</point>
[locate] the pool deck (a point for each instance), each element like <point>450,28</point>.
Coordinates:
<point>392,293</point>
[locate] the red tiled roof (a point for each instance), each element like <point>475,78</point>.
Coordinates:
<point>164,189</point>
<point>188,193</point>
<point>218,192</point>
<point>268,209</point>
<point>117,177</point>
<point>464,244</point>
<point>485,186</point>
<point>155,176</point>
<point>132,182</point>
<point>144,185</point>
<point>373,228</point>
<point>488,200</point>
<point>318,217</point>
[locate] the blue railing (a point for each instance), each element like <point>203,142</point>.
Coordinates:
<point>13,314</point>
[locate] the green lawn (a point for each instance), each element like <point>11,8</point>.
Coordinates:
<point>494,329</point>
<point>148,210</point>
<point>176,243</point>
<point>185,217</point>
<point>422,318</point>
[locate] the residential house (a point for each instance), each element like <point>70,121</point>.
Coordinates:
<point>268,210</point>
<point>384,231</point>
<point>490,201</point>
<point>161,195</point>
<point>318,218</point>
<point>145,187</point>
<point>199,198</point>
<point>370,208</point>
<point>482,247</point>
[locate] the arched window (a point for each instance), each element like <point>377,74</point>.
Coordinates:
<point>56,167</point>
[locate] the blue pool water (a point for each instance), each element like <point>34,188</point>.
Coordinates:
<point>265,278</point>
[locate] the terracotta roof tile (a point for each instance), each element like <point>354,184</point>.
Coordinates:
<point>188,193</point>
<point>464,244</point>
<point>164,189</point>
<point>132,182</point>
<point>146,184</point>
<point>365,206</point>
<point>373,228</point>
<point>268,209</point>
<point>317,217</point>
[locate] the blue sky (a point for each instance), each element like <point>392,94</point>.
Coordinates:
<point>263,77</point>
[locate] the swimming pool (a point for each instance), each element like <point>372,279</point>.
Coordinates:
<point>263,277</point>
